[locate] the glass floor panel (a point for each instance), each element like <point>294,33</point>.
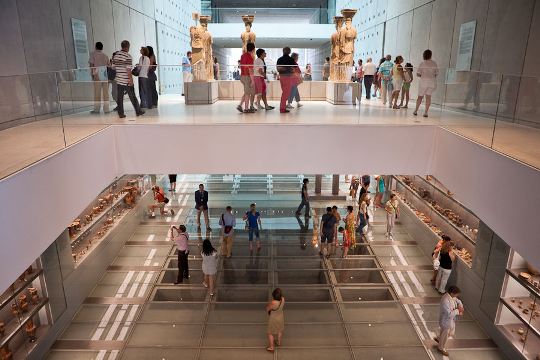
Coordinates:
<point>252,262</point>
<point>145,353</point>
<point>92,330</point>
<point>137,261</point>
<point>74,355</point>
<point>391,353</point>
<point>312,313</point>
<point>237,335</point>
<point>166,335</point>
<point>382,334</point>
<point>411,260</point>
<point>158,251</point>
<point>373,312</point>
<point>341,353</point>
<point>405,250</point>
<point>464,330</point>
<point>188,313</point>
<point>224,313</point>
<point>236,354</point>
<point>476,354</point>
<point>120,277</point>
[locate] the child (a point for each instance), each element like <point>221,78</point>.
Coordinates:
<point>407,80</point>
<point>346,242</point>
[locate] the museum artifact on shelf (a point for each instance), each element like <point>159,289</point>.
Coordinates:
<point>100,216</point>
<point>440,212</point>
<point>248,36</point>
<point>518,316</point>
<point>23,310</point>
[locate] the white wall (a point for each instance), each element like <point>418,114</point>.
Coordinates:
<point>40,201</point>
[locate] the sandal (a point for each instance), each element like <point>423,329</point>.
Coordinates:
<point>269,349</point>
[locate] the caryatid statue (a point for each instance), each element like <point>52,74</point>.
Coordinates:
<point>336,52</point>
<point>207,42</point>
<point>247,36</point>
<point>348,36</point>
<point>198,57</point>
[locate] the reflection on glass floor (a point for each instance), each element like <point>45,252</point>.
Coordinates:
<point>336,308</point>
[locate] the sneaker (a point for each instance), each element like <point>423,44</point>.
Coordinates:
<point>259,107</point>
<point>269,108</point>
<point>140,113</point>
<point>444,352</point>
<point>172,212</point>
<point>289,106</point>
<point>252,109</point>
<point>284,111</point>
<point>239,108</point>
<point>404,107</point>
<point>209,228</point>
<point>425,115</point>
<point>121,116</point>
<point>94,112</point>
<point>415,113</point>
<point>298,105</point>
<point>249,111</point>
<point>153,215</point>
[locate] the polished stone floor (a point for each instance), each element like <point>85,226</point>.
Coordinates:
<point>25,144</point>
<point>354,308</point>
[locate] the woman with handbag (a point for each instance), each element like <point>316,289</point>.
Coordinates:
<point>446,258</point>
<point>145,92</point>
<point>435,256</point>
<point>276,321</point>
<point>152,77</point>
<point>297,75</point>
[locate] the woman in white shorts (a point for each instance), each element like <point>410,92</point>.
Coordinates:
<point>397,79</point>
<point>427,73</point>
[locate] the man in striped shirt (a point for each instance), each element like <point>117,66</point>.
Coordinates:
<point>123,63</point>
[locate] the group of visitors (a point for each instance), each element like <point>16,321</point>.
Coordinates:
<point>329,228</point>
<point>119,71</point>
<point>253,75</point>
<point>393,80</point>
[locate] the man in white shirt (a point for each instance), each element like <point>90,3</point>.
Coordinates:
<point>98,62</point>
<point>123,63</point>
<point>369,76</point>
<point>450,307</point>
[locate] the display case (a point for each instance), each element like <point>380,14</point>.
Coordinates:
<point>24,314</point>
<point>435,206</point>
<point>100,217</point>
<point>518,317</point>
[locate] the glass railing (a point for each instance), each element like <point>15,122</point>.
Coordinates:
<point>45,112</point>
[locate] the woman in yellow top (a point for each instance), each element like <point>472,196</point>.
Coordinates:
<point>350,225</point>
<point>397,79</point>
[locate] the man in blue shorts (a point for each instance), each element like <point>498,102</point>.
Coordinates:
<point>253,218</point>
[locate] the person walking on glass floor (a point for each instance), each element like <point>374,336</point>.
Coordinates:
<point>305,199</point>
<point>253,218</point>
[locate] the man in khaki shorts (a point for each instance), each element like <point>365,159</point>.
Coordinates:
<point>246,78</point>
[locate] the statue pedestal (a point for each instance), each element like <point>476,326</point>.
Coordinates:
<point>342,93</point>
<point>197,93</point>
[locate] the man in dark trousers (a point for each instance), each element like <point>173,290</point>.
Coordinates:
<point>305,199</point>
<point>201,204</point>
